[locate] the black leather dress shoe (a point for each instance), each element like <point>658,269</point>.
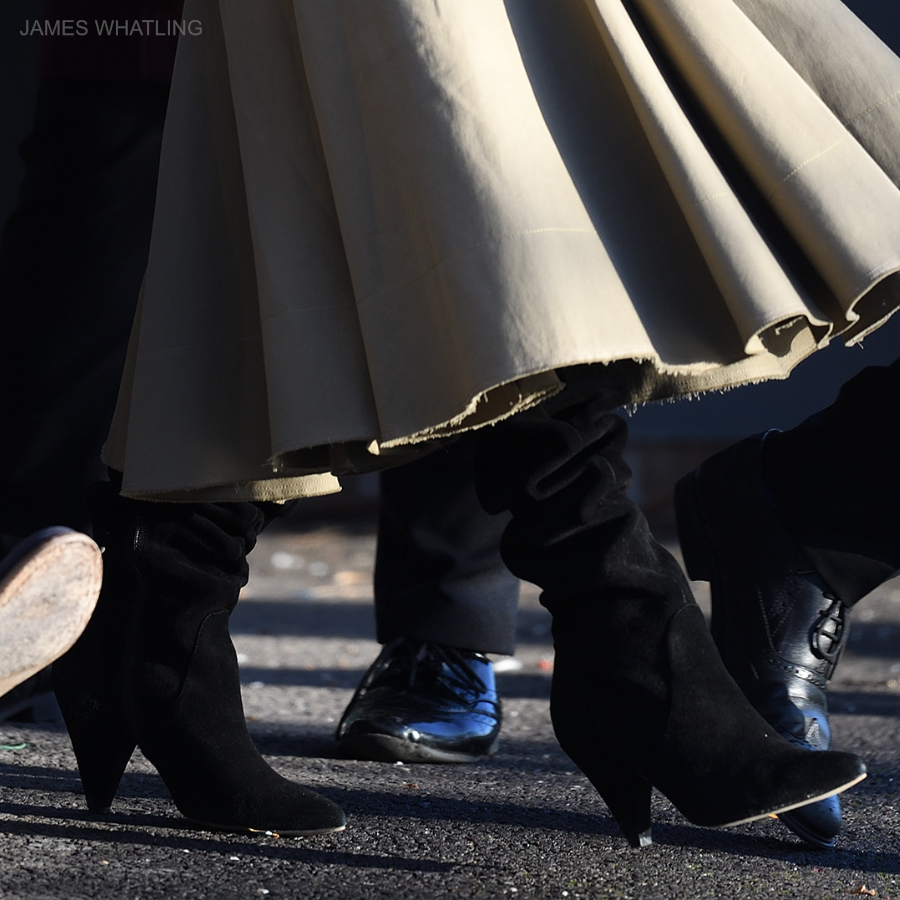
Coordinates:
<point>778,628</point>
<point>422,702</point>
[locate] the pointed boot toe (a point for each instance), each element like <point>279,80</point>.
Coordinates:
<point>822,776</point>
<point>279,807</point>
<point>200,745</point>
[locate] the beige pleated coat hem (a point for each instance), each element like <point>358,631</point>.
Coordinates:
<point>383,222</point>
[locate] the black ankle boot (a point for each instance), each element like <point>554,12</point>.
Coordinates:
<point>159,669</point>
<point>640,696</point>
<point>778,627</point>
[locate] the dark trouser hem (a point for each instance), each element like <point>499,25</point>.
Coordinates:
<point>438,572</point>
<point>835,480</point>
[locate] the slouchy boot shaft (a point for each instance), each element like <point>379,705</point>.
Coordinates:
<point>192,561</point>
<point>574,531</point>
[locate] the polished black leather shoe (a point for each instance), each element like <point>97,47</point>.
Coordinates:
<point>423,702</point>
<point>779,629</point>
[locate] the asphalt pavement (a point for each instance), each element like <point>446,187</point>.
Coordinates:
<point>525,823</point>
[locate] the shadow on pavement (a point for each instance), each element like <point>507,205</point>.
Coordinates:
<point>148,829</point>
<point>768,847</point>
<point>132,829</point>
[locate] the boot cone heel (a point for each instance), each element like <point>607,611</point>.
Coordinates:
<point>625,792</point>
<point>103,743</point>
<point>88,680</point>
<point>628,797</point>
<point>100,777</point>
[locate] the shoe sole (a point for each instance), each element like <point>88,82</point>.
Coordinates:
<point>47,596</point>
<point>383,748</point>
<point>784,809</point>
<point>807,834</point>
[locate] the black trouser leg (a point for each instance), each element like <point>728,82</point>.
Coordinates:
<point>72,258</point>
<point>835,480</point>
<point>438,572</point>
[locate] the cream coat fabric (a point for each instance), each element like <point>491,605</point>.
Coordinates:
<point>383,221</point>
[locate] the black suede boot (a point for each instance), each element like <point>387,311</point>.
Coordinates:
<point>158,668</point>
<point>640,697</point>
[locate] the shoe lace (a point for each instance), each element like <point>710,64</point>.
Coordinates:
<point>449,656</point>
<point>828,633</point>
